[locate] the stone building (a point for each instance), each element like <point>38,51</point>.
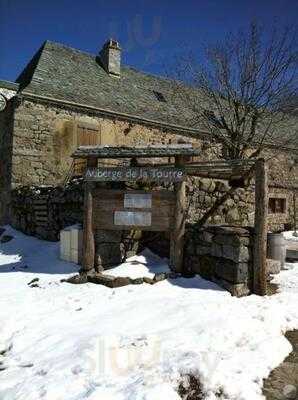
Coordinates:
<point>65,98</point>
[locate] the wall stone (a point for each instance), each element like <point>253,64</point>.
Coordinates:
<point>281,221</point>
<point>203,193</point>
<point>43,143</point>
<point>222,254</point>
<point>6,129</point>
<point>41,130</point>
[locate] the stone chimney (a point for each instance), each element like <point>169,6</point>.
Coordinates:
<point>110,57</point>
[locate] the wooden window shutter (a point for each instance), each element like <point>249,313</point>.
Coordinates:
<point>87,135</point>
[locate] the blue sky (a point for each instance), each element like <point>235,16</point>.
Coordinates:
<point>151,33</point>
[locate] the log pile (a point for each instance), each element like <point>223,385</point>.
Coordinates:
<point>44,210</point>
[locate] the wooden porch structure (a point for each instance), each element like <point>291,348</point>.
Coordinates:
<point>236,171</point>
<point>125,210</point>
<point>233,171</point>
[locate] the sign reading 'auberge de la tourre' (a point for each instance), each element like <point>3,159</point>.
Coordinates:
<point>135,174</point>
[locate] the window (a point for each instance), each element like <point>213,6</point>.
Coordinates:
<point>159,96</point>
<point>277,205</point>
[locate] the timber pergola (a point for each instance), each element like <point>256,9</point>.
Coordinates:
<point>230,170</point>
<point>111,209</point>
<point>235,170</point>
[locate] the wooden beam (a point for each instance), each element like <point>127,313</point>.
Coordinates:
<point>88,235</point>
<point>217,176</point>
<point>177,238</point>
<point>295,214</point>
<point>261,227</point>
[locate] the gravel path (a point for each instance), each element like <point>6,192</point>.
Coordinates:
<point>282,383</point>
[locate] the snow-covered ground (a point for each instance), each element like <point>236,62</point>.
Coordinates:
<point>75,342</point>
<point>146,264</point>
<point>289,235</point>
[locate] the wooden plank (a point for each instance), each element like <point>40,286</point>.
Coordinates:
<point>110,194</point>
<point>40,202</point>
<point>104,207</point>
<point>40,212</point>
<point>179,221</point>
<point>158,223</point>
<point>261,228</point>
<point>42,218</point>
<point>107,202</point>
<point>88,236</point>
<point>118,203</point>
<point>115,199</point>
<point>132,218</point>
<point>88,136</point>
<point>137,200</point>
<point>42,223</point>
<point>295,213</point>
<point>40,207</point>
<point>128,174</point>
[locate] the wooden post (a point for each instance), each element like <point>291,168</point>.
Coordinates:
<point>295,214</point>
<point>261,227</point>
<point>177,236</point>
<point>88,235</point>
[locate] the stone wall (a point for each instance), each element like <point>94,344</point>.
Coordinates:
<point>222,254</point>
<point>44,210</point>
<point>6,129</point>
<point>113,247</point>
<point>282,221</point>
<point>240,208</point>
<point>44,140</point>
<point>202,194</point>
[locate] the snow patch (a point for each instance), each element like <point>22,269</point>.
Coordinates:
<point>78,342</point>
<point>289,235</point>
<point>146,264</point>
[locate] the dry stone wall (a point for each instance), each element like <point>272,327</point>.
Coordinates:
<point>203,193</point>
<point>282,221</point>
<point>43,142</point>
<point>44,210</point>
<point>222,254</point>
<point>6,129</point>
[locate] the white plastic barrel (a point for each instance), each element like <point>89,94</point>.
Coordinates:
<point>71,239</point>
<point>276,247</point>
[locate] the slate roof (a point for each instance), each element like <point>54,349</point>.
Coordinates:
<point>66,74</point>
<point>63,73</point>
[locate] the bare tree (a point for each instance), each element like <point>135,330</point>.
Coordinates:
<point>244,86</point>
<point>244,94</point>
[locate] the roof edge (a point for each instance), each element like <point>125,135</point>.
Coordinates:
<point>135,118</point>
<point>25,77</point>
<point>183,130</point>
<point>9,85</point>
